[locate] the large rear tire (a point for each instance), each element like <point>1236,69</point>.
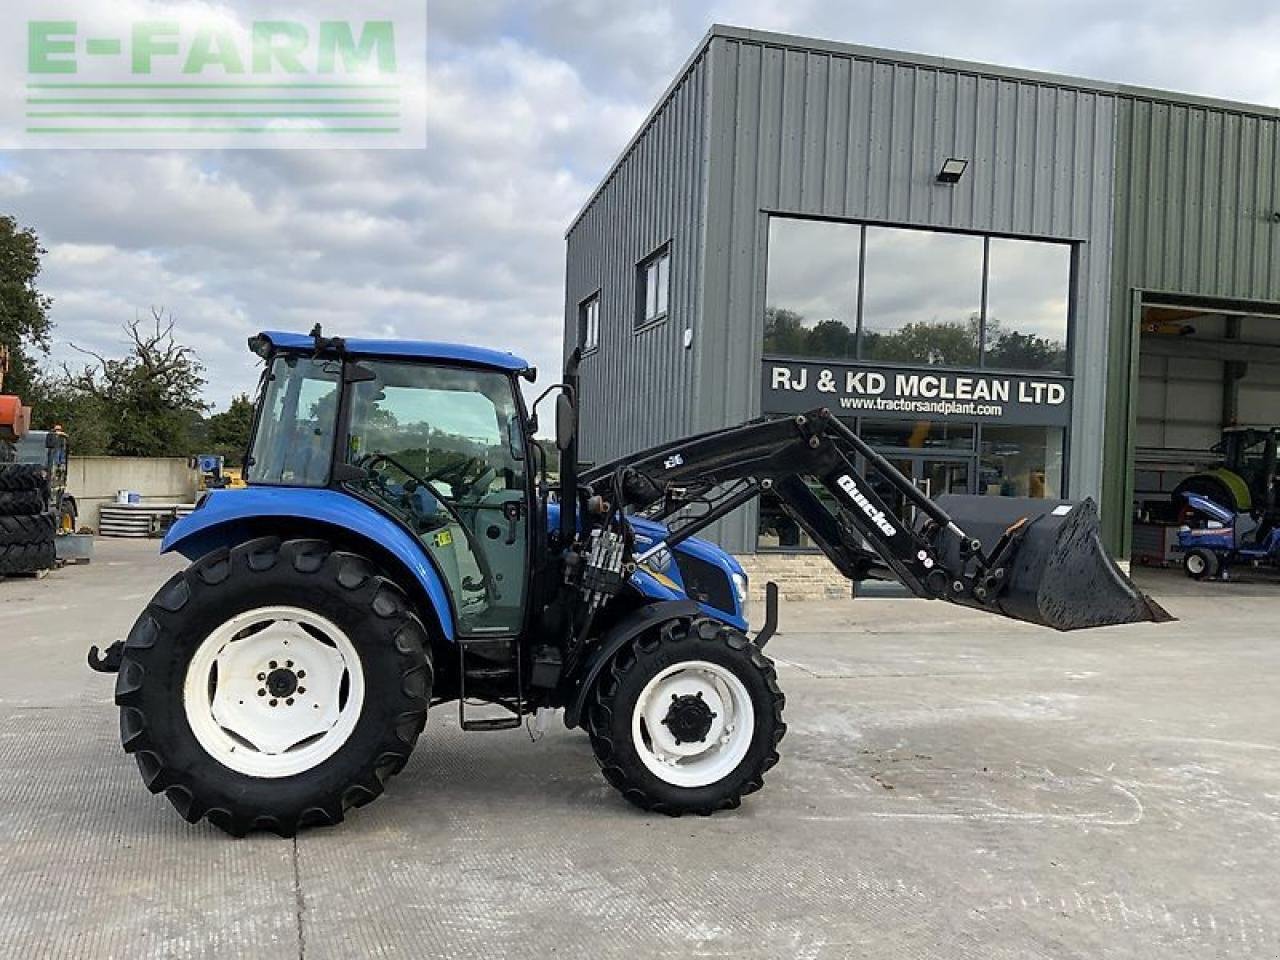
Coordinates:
<point>687,718</point>
<point>16,477</point>
<point>21,503</point>
<point>27,544</point>
<point>274,685</point>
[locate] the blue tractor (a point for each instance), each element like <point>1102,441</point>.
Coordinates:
<point>401,545</point>
<point>1218,538</point>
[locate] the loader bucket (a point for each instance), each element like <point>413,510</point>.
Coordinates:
<point>1059,575</point>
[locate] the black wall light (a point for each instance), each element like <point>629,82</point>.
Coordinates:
<point>953,169</point>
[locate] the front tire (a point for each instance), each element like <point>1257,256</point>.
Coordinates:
<point>1201,564</point>
<point>273,685</point>
<point>687,718</point>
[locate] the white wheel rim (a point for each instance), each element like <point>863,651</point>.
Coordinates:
<point>1195,563</point>
<point>726,742</point>
<point>238,699</point>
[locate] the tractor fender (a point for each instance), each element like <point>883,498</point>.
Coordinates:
<point>228,517</point>
<point>1222,485</point>
<point>636,622</point>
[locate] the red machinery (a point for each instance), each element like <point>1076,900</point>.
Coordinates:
<point>15,419</point>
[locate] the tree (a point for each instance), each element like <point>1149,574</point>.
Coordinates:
<point>56,403</point>
<point>228,432</point>
<point>949,344</point>
<point>1022,351</point>
<point>24,310</point>
<point>150,398</point>
<point>784,332</point>
<point>831,338</point>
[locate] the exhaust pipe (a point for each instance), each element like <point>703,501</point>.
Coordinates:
<point>1057,572</point>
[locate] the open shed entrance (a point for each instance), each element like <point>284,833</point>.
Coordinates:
<point>1208,375</point>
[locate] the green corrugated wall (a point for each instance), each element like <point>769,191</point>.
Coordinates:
<point>1197,192</point>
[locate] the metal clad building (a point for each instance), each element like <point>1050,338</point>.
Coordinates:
<point>655,194</point>
<point>1196,215</point>
<point>780,222</point>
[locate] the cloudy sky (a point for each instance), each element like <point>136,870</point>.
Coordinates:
<point>529,102</point>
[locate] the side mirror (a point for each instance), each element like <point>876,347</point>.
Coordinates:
<point>566,422</point>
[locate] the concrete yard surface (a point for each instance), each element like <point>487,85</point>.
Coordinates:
<point>952,785</point>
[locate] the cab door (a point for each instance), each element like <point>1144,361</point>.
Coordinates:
<point>442,448</point>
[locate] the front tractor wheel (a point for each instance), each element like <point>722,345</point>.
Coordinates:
<point>273,685</point>
<point>1201,564</point>
<point>687,719</point>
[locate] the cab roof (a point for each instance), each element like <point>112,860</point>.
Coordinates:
<point>398,349</point>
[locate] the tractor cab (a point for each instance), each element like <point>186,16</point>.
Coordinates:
<point>433,436</point>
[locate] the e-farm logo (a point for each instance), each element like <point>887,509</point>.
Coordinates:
<point>221,79</point>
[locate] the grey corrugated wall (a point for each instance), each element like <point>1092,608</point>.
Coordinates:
<point>638,388</point>
<point>1197,190</point>
<point>821,132</point>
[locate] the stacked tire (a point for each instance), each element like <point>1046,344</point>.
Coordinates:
<point>27,528</point>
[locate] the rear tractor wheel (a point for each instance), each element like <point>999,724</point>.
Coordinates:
<point>687,719</point>
<point>273,685</point>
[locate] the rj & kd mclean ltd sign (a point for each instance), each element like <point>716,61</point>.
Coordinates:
<point>891,392</point>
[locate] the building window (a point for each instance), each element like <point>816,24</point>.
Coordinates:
<point>1021,461</point>
<point>776,530</point>
<point>917,434</point>
<point>812,289</point>
<point>922,297</point>
<point>1028,297</point>
<point>653,283</point>
<point>938,458</point>
<point>849,291</point>
<point>589,323</point>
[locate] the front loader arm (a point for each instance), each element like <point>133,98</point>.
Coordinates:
<point>1040,561</point>
<point>862,538</point>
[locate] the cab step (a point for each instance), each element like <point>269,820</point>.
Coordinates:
<point>491,723</point>
<point>484,664</point>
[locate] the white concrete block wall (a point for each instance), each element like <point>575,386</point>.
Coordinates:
<point>94,481</point>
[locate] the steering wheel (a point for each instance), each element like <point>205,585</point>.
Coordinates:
<point>369,463</point>
<point>455,474</point>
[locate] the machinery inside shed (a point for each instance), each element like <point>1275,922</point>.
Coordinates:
<point>1208,398</point>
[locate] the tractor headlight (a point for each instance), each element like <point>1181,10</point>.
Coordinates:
<point>740,588</point>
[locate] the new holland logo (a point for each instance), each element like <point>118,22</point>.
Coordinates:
<point>873,514</point>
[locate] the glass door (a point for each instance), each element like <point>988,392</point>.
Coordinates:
<point>891,495</point>
<point>933,476</point>
<point>936,477</point>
